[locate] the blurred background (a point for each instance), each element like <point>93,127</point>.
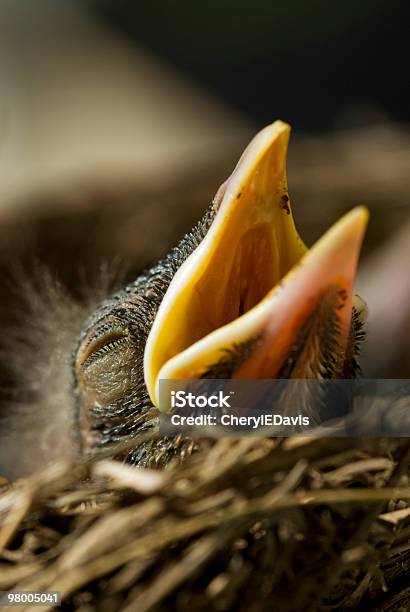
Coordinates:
<point>119,120</point>
<point>318,64</point>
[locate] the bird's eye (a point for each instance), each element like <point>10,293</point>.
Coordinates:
<point>105,365</point>
<point>102,345</point>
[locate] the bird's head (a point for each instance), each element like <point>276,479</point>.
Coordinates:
<point>241,296</point>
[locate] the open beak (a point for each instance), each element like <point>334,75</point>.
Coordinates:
<point>252,301</point>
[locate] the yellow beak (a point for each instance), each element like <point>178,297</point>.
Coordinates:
<point>253,285</point>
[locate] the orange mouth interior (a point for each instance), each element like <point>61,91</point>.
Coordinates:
<point>225,293</point>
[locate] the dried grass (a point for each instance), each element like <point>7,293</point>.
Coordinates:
<point>246,524</point>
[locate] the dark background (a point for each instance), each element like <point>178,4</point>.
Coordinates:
<point>318,65</point>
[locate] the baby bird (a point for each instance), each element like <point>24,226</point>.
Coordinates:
<point>240,296</point>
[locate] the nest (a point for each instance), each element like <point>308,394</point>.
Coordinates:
<point>249,524</point>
